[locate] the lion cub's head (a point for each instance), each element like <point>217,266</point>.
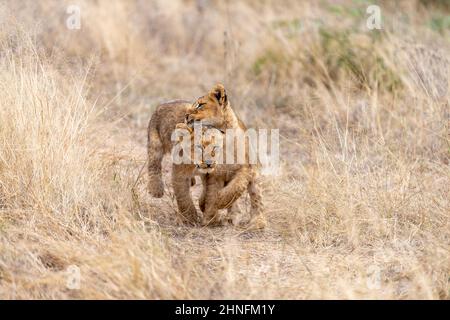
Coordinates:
<point>209,108</point>
<point>206,145</point>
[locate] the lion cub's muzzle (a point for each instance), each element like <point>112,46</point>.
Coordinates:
<point>206,167</point>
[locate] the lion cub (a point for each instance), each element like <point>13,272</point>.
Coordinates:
<point>213,110</point>
<point>229,180</point>
<point>159,143</point>
<point>224,183</point>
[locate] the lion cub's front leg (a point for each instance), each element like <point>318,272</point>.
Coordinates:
<point>245,178</point>
<point>202,199</point>
<point>208,200</point>
<point>181,183</point>
<point>234,188</point>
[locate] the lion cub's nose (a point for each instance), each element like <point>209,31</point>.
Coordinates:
<point>209,163</point>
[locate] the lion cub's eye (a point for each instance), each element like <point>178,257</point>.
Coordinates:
<point>199,106</point>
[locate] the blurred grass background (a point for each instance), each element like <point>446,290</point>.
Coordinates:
<point>364,124</point>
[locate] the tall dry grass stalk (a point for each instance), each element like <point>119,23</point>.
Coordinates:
<point>360,209</point>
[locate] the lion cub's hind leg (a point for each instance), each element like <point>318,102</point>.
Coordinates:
<point>155,155</point>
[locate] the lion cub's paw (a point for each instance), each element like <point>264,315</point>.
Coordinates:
<point>217,220</point>
<point>258,222</point>
<point>190,216</point>
<point>238,219</point>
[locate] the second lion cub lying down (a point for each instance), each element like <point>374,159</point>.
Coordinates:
<point>225,188</point>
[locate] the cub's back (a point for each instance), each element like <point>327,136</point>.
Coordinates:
<point>165,119</point>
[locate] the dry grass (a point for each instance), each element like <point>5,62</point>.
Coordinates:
<point>364,117</point>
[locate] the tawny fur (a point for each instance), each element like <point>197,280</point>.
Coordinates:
<point>228,182</point>
<point>224,186</point>
<point>222,189</point>
<point>160,128</point>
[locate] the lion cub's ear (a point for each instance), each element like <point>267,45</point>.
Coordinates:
<point>219,93</point>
